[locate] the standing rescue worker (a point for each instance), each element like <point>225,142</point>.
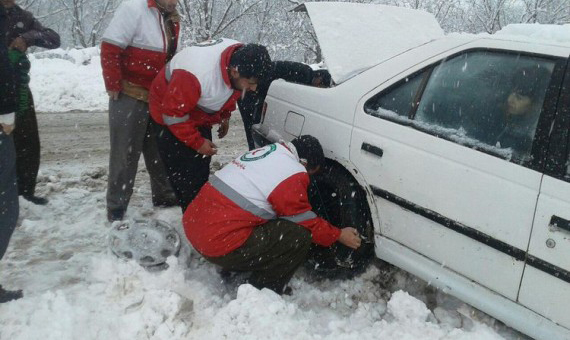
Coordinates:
<point>23,31</point>
<point>141,38</point>
<point>196,90</point>
<point>254,214</point>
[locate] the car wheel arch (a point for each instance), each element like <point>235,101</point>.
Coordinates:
<point>339,197</point>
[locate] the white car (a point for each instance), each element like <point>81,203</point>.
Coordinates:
<point>450,154</point>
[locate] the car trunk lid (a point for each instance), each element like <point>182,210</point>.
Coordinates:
<point>354,37</point>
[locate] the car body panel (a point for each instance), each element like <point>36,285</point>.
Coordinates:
<point>449,179</point>
<point>545,287</point>
<point>439,176</point>
<point>449,282</point>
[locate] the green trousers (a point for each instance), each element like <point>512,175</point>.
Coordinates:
<point>273,252</point>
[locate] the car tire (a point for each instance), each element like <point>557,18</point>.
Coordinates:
<point>337,197</point>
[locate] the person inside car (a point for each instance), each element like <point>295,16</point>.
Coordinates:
<point>522,108</point>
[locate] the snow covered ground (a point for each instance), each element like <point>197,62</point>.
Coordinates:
<point>76,289</point>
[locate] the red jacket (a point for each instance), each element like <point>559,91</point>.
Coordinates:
<point>194,90</point>
<point>135,44</point>
<point>260,185</point>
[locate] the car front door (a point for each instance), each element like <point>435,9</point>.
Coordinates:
<point>545,286</point>
<point>455,177</point>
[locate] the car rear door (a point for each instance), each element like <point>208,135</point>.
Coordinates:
<point>545,286</point>
<point>441,189</point>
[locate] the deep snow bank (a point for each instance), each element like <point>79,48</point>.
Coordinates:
<point>68,80</point>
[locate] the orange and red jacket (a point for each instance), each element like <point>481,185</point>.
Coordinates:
<point>260,185</point>
<point>135,44</point>
<point>194,90</point>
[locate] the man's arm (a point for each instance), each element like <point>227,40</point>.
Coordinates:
<point>8,99</point>
<point>116,38</point>
<point>290,201</point>
<point>40,36</point>
<point>181,97</point>
<point>293,71</point>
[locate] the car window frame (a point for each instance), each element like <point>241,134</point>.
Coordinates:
<point>558,162</point>
<point>540,143</point>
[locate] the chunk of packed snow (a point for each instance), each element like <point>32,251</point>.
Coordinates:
<point>67,81</point>
<point>539,32</point>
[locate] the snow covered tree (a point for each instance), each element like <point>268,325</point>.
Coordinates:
<point>546,11</point>
<point>273,23</point>
<point>88,18</point>
<point>207,19</point>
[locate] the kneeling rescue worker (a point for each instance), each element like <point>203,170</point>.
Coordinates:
<point>254,214</point>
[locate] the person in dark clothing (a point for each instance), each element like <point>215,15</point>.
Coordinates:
<point>9,207</point>
<point>23,31</point>
<point>521,109</point>
<point>251,104</point>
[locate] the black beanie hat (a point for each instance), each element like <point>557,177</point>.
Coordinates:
<point>530,81</point>
<point>309,148</point>
<point>252,61</point>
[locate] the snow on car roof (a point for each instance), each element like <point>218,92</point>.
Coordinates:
<point>546,34</point>
<point>354,37</point>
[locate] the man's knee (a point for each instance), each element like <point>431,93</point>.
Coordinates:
<point>300,236</point>
<point>305,234</point>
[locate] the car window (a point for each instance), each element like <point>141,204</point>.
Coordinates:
<point>483,99</point>
<point>493,98</point>
<point>398,99</point>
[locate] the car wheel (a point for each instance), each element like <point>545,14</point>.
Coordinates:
<point>337,197</point>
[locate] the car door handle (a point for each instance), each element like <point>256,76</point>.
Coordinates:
<point>559,222</point>
<point>372,149</point>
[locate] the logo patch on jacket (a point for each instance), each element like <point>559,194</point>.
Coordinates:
<point>258,153</point>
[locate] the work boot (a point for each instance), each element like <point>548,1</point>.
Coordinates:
<point>9,295</point>
<point>167,202</point>
<point>115,214</point>
<point>37,200</point>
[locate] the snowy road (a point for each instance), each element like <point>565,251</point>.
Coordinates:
<point>80,136</point>
<point>74,289</point>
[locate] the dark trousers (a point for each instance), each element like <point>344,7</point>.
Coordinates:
<point>273,252</point>
<point>250,111</point>
<point>186,169</point>
<point>9,207</point>
<point>27,142</point>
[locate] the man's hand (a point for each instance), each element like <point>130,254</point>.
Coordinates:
<point>224,127</point>
<point>208,148</point>
<point>349,237</point>
<point>113,94</point>
<point>7,128</point>
<point>19,44</point>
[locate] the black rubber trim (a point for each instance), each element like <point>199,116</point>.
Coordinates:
<point>559,140</point>
<point>259,139</point>
<point>559,222</point>
<point>548,268</point>
<point>372,149</point>
<point>517,254</point>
